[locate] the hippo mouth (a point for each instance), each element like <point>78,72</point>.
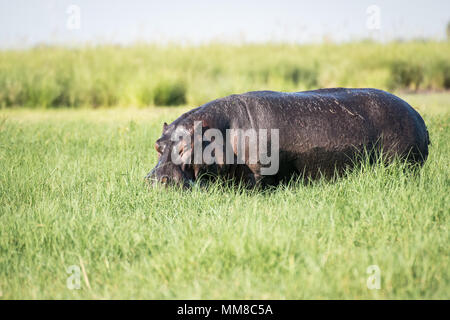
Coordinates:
<point>155,179</point>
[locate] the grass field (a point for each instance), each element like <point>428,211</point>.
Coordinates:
<point>71,193</point>
<point>143,75</point>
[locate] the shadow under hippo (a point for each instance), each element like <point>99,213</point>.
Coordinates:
<point>311,133</point>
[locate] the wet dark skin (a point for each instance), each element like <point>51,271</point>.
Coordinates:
<point>321,132</point>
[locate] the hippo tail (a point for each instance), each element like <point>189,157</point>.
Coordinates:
<point>428,138</point>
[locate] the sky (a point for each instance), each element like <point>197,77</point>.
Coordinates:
<point>25,23</point>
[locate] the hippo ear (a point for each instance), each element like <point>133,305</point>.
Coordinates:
<point>165,126</point>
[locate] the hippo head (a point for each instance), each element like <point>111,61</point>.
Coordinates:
<point>166,172</point>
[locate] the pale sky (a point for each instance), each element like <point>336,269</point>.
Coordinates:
<point>29,22</point>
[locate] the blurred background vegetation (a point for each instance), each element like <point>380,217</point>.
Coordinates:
<point>146,75</point>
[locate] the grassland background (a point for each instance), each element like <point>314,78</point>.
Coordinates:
<point>71,189</point>
<point>143,75</point>
<point>71,193</point>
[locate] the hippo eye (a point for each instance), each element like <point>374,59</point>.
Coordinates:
<point>159,147</point>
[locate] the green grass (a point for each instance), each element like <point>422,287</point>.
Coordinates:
<point>71,193</point>
<point>143,75</point>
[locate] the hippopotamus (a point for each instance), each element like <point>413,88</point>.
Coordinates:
<point>312,133</point>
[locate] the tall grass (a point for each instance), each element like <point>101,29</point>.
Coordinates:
<point>143,75</point>
<point>72,193</point>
